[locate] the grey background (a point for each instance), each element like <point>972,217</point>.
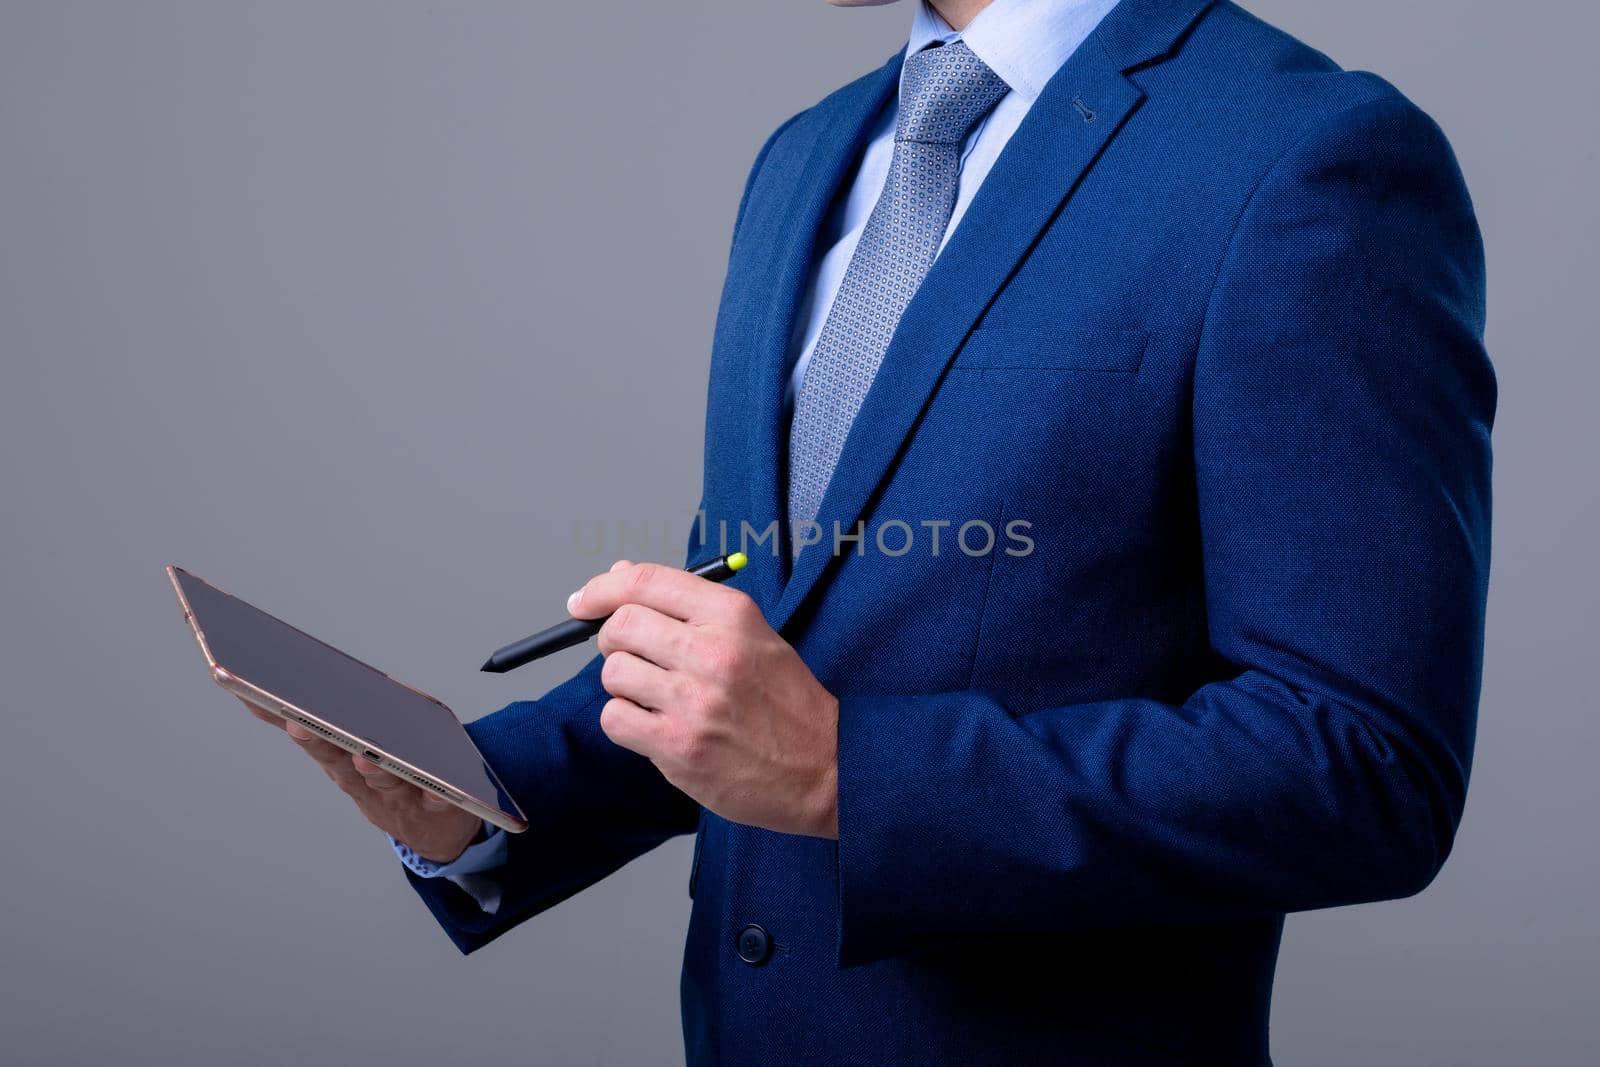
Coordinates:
<point>295,292</point>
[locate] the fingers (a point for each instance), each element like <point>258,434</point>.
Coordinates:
<point>639,681</point>
<point>649,634</point>
<point>390,803</point>
<point>375,776</point>
<point>328,755</point>
<point>668,590</point>
<point>265,716</point>
<point>349,771</point>
<point>334,761</point>
<point>358,776</point>
<point>632,727</point>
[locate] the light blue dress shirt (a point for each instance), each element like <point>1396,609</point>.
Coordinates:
<point>1023,41</point>
<point>473,870</point>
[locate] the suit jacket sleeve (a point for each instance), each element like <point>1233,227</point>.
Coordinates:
<point>592,806</point>
<point>1342,403</point>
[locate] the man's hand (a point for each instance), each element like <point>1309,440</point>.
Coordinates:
<point>431,827</point>
<point>721,704</point>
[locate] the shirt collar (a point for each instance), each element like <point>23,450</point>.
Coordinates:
<point>1023,41</point>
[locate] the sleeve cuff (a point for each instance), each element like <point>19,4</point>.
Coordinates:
<point>473,870</point>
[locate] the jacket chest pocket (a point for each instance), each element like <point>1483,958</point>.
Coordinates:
<point>1033,414</point>
<point>1003,347</point>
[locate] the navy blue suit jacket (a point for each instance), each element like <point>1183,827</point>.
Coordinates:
<point>1212,326</point>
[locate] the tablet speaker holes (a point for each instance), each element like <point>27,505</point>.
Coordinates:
<point>329,734</point>
<point>427,784</point>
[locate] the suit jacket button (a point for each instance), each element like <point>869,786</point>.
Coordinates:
<point>754,945</point>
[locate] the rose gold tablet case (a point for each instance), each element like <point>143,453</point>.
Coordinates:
<point>267,702</point>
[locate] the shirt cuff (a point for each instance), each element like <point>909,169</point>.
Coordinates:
<point>473,870</point>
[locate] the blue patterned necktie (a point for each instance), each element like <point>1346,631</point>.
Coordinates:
<point>944,92</point>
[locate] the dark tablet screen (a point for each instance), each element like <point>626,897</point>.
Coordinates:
<point>341,690</point>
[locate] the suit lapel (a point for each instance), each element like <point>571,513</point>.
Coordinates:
<point>1066,130</point>
<point>838,133</point>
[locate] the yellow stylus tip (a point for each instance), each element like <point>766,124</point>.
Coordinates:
<point>737,561</point>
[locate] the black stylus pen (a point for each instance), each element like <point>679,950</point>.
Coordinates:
<point>577,631</point>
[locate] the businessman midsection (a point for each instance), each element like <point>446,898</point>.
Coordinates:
<point>1037,540</point>
<point>1131,995</point>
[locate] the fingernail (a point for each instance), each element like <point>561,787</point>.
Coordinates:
<point>572,602</point>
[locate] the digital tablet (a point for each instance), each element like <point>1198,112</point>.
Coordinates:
<point>285,671</point>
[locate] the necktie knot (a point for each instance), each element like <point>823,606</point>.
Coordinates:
<point>944,91</point>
